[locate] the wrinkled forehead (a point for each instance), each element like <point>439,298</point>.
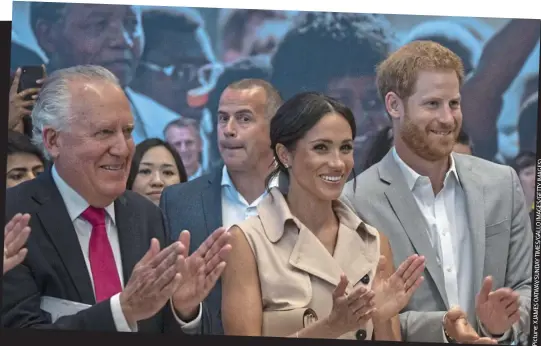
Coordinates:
<point>84,12</point>
<point>91,99</point>
<point>253,99</point>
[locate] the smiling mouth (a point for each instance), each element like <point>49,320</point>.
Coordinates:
<point>332,178</point>
<point>113,168</point>
<point>441,133</point>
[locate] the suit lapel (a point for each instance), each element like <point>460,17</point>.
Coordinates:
<point>356,253</point>
<point>473,190</point>
<point>309,255</point>
<point>57,224</point>
<point>406,210</point>
<point>212,202</point>
<point>129,237</point>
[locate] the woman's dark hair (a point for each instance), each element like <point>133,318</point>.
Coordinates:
<point>140,151</point>
<point>296,117</point>
<point>381,144</point>
<point>523,160</point>
<point>19,143</point>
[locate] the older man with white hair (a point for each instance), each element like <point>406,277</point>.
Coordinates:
<point>98,256</point>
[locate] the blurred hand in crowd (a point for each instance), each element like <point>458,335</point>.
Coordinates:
<point>21,103</point>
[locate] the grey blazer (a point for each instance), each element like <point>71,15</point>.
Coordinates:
<point>501,236</point>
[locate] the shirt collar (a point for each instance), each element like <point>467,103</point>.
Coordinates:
<point>226,180</point>
<point>74,202</point>
<point>411,176</point>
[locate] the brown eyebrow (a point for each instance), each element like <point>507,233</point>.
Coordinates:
<point>162,165</point>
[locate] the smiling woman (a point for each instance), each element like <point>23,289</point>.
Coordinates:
<point>307,266</point>
<point>155,165</point>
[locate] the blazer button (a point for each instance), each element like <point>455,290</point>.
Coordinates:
<point>366,279</point>
<point>361,334</point>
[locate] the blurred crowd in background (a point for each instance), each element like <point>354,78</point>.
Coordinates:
<point>174,63</point>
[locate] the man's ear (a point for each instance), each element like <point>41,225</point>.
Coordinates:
<point>394,105</point>
<point>51,142</point>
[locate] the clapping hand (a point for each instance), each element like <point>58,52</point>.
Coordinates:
<point>394,292</point>
<point>153,281</point>
<point>16,233</point>
<point>350,311</point>
<point>457,327</point>
<point>201,271</point>
<point>497,310</point>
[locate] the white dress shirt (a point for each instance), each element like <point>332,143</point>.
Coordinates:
<point>76,205</point>
<point>449,233</point>
<point>235,209</point>
<point>197,173</point>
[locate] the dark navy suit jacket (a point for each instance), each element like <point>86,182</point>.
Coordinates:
<point>196,206</point>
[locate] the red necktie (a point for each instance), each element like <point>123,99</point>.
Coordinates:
<point>102,261</point>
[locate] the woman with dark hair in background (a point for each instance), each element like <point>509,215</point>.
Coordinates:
<point>524,165</point>
<point>155,165</point>
<point>307,266</point>
<point>24,160</point>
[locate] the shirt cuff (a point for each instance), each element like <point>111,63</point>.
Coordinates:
<point>188,327</point>
<point>445,340</point>
<point>504,337</point>
<point>118,316</point>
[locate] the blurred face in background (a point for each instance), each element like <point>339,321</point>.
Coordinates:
<point>187,141</point>
<point>359,93</point>
<point>157,170</point>
<point>22,167</point>
<point>107,35</point>
<point>263,31</point>
<point>180,62</point>
<point>527,180</point>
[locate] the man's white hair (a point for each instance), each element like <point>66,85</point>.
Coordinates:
<point>52,108</point>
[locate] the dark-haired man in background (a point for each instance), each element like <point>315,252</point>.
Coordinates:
<point>311,57</point>
<point>178,68</point>
<point>229,193</point>
<point>111,36</point>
